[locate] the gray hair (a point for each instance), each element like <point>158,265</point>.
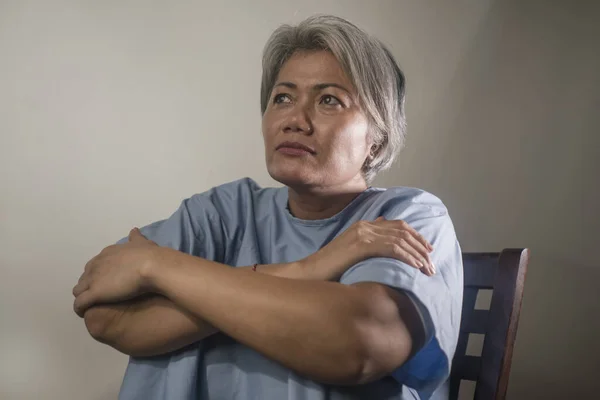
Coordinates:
<point>369,65</point>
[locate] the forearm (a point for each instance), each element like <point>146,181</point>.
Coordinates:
<point>312,327</point>
<point>145,327</point>
<point>154,325</point>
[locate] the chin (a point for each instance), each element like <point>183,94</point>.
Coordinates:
<point>293,177</point>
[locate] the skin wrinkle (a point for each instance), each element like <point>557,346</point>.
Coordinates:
<point>305,106</point>
<point>321,184</point>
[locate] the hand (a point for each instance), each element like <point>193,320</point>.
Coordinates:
<point>116,274</point>
<point>368,239</point>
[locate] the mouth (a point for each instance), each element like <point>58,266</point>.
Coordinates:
<point>295,149</point>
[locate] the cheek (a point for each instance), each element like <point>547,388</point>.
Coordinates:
<point>267,128</point>
<point>352,141</point>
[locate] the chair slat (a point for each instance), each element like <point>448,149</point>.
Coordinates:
<point>469,367</point>
<point>472,321</point>
<point>502,324</point>
<point>475,322</point>
<point>457,373</point>
<point>504,273</point>
<point>480,270</point>
<point>469,299</point>
<point>461,346</point>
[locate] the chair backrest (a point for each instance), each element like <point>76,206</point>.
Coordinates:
<point>504,275</point>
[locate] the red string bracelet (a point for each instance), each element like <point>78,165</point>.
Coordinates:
<point>254,267</point>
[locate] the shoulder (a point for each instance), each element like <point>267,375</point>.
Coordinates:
<point>422,210</point>
<point>407,203</point>
<point>231,197</point>
<point>230,188</point>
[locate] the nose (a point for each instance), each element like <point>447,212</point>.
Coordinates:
<point>299,121</point>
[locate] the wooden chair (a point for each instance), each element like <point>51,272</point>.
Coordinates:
<point>504,274</point>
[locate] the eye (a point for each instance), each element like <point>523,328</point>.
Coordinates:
<point>330,100</point>
<point>281,98</point>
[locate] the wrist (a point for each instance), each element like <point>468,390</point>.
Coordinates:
<point>315,267</point>
<point>152,271</point>
<point>330,262</point>
<point>303,269</point>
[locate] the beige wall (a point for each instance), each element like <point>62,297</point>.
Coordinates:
<point>112,112</point>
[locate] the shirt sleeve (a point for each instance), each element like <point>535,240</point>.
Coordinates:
<point>194,228</point>
<point>438,298</point>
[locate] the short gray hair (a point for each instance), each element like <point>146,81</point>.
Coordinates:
<point>369,65</point>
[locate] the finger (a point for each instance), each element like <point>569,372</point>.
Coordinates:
<point>415,254</point>
<point>407,253</point>
<point>87,270</point>
<point>82,302</point>
<point>400,224</point>
<point>417,249</point>
<point>420,238</point>
<point>403,253</point>
<point>107,250</point>
<point>411,246</point>
<point>81,287</point>
<point>84,275</point>
<point>410,249</point>
<point>135,234</point>
<point>423,254</point>
<point>88,266</point>
<point>418,246</point>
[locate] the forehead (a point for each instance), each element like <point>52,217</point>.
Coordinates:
<point>307,68</point>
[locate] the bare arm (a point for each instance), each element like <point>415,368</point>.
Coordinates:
<point>329,332</point>
<point>153,325</point>
<point>145,327</point>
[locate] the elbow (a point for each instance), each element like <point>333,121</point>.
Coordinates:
<point>357,366</point>
<point>356,361</point>
<point>362,372</point>
<point>373,362</point>
<point>343,362</point>
<point>385,335</point>
<point>101,325</point>
<point>96,323</point>
<point>348,370</point>
<point>365,368</point>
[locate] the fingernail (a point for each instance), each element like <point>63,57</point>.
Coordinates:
<point>433,267</point>
<point>420,264</point>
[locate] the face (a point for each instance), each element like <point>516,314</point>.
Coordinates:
<point>315,132</point>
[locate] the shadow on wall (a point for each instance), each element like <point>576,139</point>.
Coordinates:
<point>556,352</point>
<point>519,120</point>
<point>520,148</point>
<point>515,155</point>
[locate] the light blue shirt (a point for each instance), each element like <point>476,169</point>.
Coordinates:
<point>240,224</point>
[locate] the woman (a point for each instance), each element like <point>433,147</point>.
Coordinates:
<point>341,290</point>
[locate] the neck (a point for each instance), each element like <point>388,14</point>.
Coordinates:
<point>320,203</point>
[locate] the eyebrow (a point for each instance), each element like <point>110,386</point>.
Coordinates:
<point>317,87</point>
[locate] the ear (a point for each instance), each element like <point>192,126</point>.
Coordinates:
<point>373,152</point>
<point>369,158</point>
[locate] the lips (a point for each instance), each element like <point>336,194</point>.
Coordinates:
<point>297,146</point>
